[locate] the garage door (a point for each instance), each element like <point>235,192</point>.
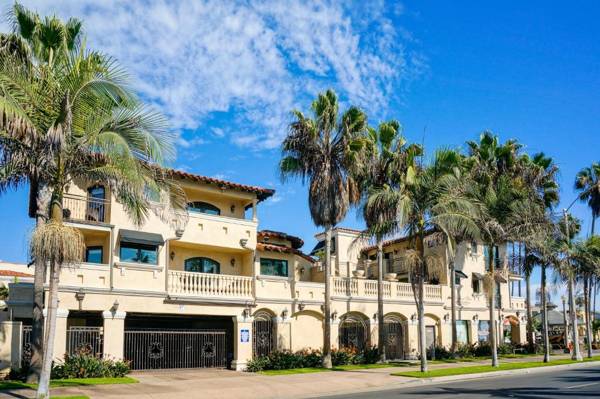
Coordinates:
<point>171,349</point>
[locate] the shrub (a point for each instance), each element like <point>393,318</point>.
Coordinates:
<point>506,349</point>
<point>258,364</point>
<point>343,356</point>
<point>85,365</point>
<point>281,360</point>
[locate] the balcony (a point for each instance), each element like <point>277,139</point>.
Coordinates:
<point>517,302</point>
<point>363,288</point>
<point>220,231</point>
<point>209,285</point>
<point>78,208</point>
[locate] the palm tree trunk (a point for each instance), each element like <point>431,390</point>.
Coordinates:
<point>453,305</point>
<point>380,320</point>
<point>422,335</point>
<point>588,322</point>
<point>492,300</point>
<point>545,317</point>
<point>327,303</point>
<point>576,355</point>
<point>530,341</point>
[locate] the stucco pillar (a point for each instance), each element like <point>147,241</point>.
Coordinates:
<point>473,331</point>
<point>335,333</point>
<point>60,339</point>
<point>242,342</point>
<point>412,349</point>
<point>114,333</point>
<point>11,339</point>
<point>373,332</point>
<point>283,333</point>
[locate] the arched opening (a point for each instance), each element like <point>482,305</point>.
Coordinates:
<point>263,340</point>
<point>202,265</point>
<point>203,207</point>
<point>394,337</point>
<point>96,198</point>
<point>510,329</point>
<point>432,334</point>
<point>353,332</point>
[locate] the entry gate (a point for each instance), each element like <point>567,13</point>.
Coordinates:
<point>393,339</point>
<point>172,349</point>
<point>85,339</point>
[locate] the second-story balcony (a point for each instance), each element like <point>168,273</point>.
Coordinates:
<point>220,231</point>
<point>78,208</point>
<point>209,285</point>
<point>363,288</point>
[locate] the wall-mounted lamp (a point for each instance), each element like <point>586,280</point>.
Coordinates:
<point>334,315</point>
<point>243,242</point>
<point>247,311</point>
<point>302,270</point>
<point>374,316</point>
<point>301,306</point>
<point>476,317</point>
<point>284,314</point>
<point>446,317</point>
<point>115,306</point>
<point>413,317</point>
<point>232,262</point>
<point>79,295</point>
<point>232,208</point>
<point>172,255</point>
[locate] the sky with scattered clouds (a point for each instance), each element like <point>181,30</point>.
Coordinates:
<point>227,74</point>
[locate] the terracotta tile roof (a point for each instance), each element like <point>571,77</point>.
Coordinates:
<point>282,249</point>
<point>297,242</point>
<point>12,273</point>
<point>261,192</point>
<point>393,241</point>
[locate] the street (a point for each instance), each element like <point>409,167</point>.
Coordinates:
<point>570,383</point>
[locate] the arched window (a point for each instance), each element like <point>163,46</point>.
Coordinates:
<point>203,207</point>
<point>353,333</point>
<point>202,265</point>
<point>263,337</point>
<point>95,203</point>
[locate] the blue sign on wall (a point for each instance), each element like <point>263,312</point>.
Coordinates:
<point>244,335</point>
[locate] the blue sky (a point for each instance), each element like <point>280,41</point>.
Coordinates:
<point>227,75</point>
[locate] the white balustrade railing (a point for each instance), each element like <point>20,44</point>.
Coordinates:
<point>209,285</point>
<point>356,287</point>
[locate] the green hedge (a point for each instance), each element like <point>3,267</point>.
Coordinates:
<point>283,360</point>
<point>85,365</point>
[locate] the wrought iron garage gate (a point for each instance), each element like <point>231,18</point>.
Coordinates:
<point>86,339</point>
<point>171,349</point>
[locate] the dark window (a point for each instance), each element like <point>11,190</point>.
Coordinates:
<point>203,207</point>
<point>476,284</point>
<point>95,204</point>
<point>93,254</point>
<point>139,253</point>
<point>273,267</point>
<point>202,265</point>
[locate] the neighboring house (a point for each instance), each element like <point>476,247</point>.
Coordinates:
<point>206,288</point>
<point>13,276</point>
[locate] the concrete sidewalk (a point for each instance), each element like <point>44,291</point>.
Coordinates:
<point>225,384</point>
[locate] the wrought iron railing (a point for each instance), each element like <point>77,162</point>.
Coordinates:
<point>87,209</point>
<point>85,339</point>
<point>343,286</point>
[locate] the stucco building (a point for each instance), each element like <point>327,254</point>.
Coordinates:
<point>207,288</point>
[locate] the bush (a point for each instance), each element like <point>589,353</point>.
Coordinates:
<point>342,356</point>
<point>282,360</point>
<point>506,349</point>
<point>85,365</point>
<point>258,364</point>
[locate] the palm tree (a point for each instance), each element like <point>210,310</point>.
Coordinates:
<point>386,156</point>
<point>433,209</point>
<point>92,129</point>
<point>506,211</point>
<point>540,173</point>
<point>38,41</point>
<point>323,149</point>
<point>587,183</point>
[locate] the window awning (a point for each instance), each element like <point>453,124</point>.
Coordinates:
<point>141,237</point>
<point>460,274</point>
<point>478,276</point>
<point>500,279</point>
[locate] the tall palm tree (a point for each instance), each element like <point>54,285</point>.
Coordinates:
<point>323,150</point>
<point>587,183</point>
<point>434,209</point>
<point>540,173</point>
<point>386,157</point>
<point>34,40</point>
<point>93,129</point>
<point>506,212</point>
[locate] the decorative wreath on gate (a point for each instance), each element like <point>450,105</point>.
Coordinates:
<point>208,350</point>
<point>155,350</point>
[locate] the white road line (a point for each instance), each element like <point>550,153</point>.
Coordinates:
<point>583,385</point>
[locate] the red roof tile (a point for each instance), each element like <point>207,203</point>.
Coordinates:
<point>297,242</point>
<point>261,192</point>
<point>12,273</point>
<point>282,249</point>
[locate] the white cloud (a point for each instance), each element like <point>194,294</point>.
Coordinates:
<point>255,60</point>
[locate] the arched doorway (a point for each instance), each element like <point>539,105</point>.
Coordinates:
<point>263,337</point>
<point>394,337</point>
<point>353,332</point>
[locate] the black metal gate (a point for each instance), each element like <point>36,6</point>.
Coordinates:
<point>172,349</point>
<point>353,333</point>
<point>394,349</point>
<point>26,346</point>
<point>84,339</point>
<point>262,339</point>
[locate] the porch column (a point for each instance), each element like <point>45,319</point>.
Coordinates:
<point>242,342</point>
<point>114,333</point>
<point>412,349</point>
<point>60,339</point>
<point>474,331</point>
<point>254,212</point>
<point>374,331</point>
<point>283,333</point>
<point>335,332</point>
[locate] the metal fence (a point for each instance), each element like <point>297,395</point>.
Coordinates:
<point>88,339</point>
<point>262,337</point>
<point>172,349</point>
<point>26,346</point>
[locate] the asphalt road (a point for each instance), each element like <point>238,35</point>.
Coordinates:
<point>570,383</point>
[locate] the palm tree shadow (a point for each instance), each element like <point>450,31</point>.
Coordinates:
<point>519,393</point>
